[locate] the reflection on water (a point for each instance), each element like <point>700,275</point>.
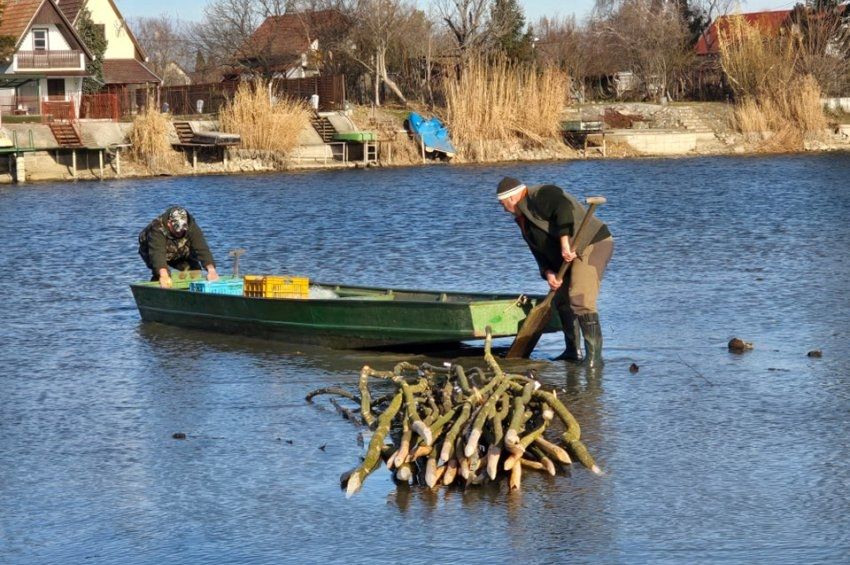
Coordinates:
<point>707,455</point>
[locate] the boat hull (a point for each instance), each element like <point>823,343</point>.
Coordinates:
<point>362,317</point>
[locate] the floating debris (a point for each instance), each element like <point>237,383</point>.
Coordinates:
<point>633,368</point>
<point>815,353</point>
<point>445,425</point>
<point>738,345</point>
<point>178,435</point>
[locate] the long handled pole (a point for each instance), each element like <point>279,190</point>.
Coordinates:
<point>537,320</point>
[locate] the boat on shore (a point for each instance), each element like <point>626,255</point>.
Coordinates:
<point>432,134</point>
<point>342,317</point>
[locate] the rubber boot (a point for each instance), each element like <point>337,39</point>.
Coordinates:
<point>572,335</point>
<point>592,339</point>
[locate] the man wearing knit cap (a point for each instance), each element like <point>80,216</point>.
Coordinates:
<point>548,218</point>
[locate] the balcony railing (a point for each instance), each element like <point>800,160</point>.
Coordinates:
<point>42,60</point>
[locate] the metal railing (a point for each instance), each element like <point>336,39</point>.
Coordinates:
<point>71,59</point>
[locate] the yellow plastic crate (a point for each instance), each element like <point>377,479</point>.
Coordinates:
<point>270,286</point>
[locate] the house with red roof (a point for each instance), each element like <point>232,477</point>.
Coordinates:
<point>770,23</point>
<point>49,59</point>
<point>287,46</point>
<point>124,62</point>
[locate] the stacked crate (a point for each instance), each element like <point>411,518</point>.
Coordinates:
<point>272,286</point>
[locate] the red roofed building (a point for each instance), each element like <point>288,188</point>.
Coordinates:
<point>49,58</point>
<point>124,70</point>
<point>287,46</point>
<point>767,22</point>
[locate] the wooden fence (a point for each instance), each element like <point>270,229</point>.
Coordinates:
<point>210,98</point>
<point>100,107</point>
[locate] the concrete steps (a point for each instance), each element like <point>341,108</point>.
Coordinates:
<point>323,127</point>
<point>184,132</point>
<point>66,134</point>
<point>692,122</point>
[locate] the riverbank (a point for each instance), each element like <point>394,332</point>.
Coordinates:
<point>632,130</point>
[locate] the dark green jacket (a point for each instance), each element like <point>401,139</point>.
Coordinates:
<point>561,214</point>
<point>158,247</point>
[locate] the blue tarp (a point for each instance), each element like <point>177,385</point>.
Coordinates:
<point>433,134</point>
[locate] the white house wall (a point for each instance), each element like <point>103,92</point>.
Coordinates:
<point>73,88</point>
<point>55,39</point>
<point>119,44</point>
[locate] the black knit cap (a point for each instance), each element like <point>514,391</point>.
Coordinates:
<point>508,186</point>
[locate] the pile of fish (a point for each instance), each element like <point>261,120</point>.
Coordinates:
<point>444,425</point>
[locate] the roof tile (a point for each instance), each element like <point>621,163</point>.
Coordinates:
<point>127,71</point>
<point>770,22</point>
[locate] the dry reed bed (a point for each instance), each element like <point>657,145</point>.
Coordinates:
<point>491,102</point>
<point>264,123</point>
<point>778,105</point>
<point>151,144</point>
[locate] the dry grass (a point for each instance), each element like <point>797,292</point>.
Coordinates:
<point>778,106</point>
<point>496,101</point>
<point>400,150</point>
<point>264,124</point>
<point>151,144</point>
<point>806,105</point>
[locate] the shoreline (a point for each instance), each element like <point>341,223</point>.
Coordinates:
<point>672,131</point>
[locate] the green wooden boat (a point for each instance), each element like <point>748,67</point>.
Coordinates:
<point>359,317</point>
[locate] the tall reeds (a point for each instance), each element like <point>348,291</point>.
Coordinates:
<point>150,141</point>
<point>777,103</point>
<point>491,101</point>
<point>263,122</point>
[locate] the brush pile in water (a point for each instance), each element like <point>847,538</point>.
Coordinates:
<point>453,426</point>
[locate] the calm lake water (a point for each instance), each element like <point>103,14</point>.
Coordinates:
<point>708,456</point>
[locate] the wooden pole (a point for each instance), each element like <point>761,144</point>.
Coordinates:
<point>74,163</point>
<point>100,160</point>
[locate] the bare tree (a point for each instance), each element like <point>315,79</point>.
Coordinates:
<point>380,26</point>
<point>165,40</point>
<point>649,39</point>
<point>467,21</point>
<point>822,33</point>
<point>564,44</point>
<point>225,36</point>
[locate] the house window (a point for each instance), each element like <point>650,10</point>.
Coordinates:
<point>39,40</point>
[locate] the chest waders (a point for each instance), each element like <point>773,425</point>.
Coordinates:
<point>572,324</point>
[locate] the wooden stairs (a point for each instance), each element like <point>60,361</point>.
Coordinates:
<point>323,127</point>
<point>184,132</point>
<point>66,134</point>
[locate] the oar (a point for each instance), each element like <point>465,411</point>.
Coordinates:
<point>537,320</point>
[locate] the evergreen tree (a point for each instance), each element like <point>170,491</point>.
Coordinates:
<point>507,22</point>
<point>695,17</point>
<point>94,37</point>
<point>7,42</point>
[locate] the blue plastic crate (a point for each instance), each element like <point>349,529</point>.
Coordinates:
<point>222,286</point>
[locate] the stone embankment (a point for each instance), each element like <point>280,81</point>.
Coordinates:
<point>646,130</point>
